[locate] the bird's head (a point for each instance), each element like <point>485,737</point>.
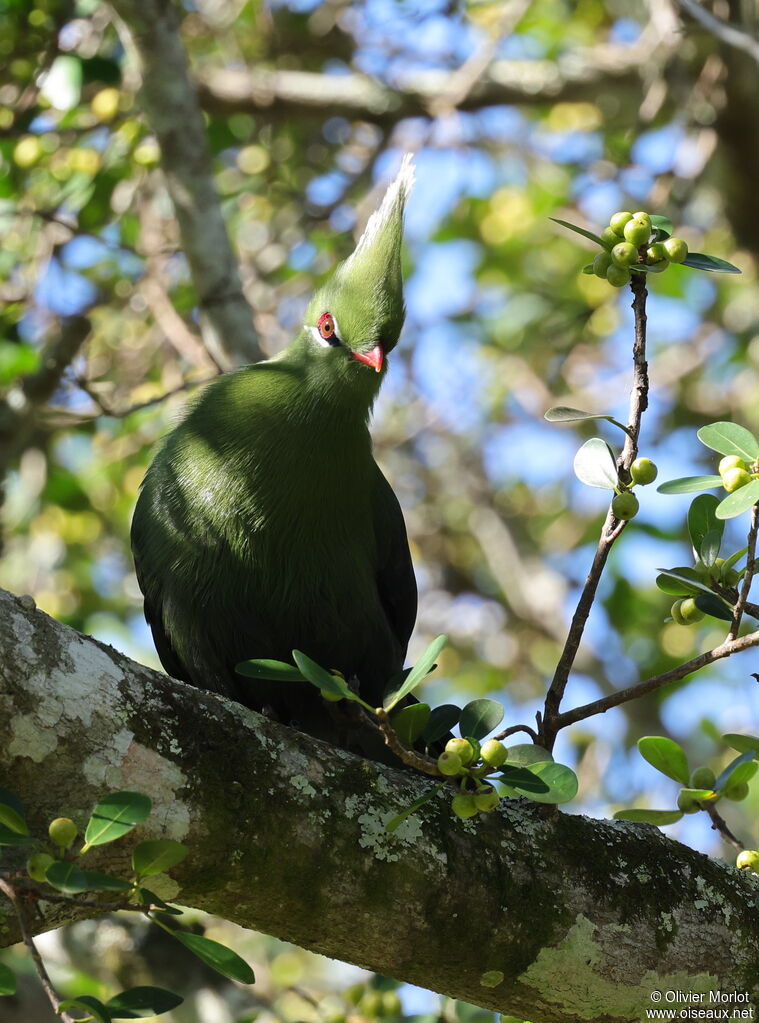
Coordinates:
<point>355,319</point>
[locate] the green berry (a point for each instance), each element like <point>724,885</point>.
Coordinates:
<point>617,276</point>
<point>685,611</point>
<point>62,831</point>
<point>625,505</point>
<point>486,799</point>
<point>463,805</point>
<point>354,993</point>
<point>656,254</point>
<point>494,753</point>
<point>734,479</point>
<point>687,803</point>
<point>676,249</point>
<point>462,748</point>
<point>703,778</point>
<point>618,221</point>
<point>643,471</point>
<point>371,1004</point>
<point>601,264</point>
<point>731,462</point>
<point>609,237</point>
<point>675,612</point>
<point>748,859</point>
<point>449,764</point>
<point>37,865</point>
<point>391,1004</point>
<point>638,230</point>
<point>737,792</point>
<point>624,254</point>
<point>730,576</point>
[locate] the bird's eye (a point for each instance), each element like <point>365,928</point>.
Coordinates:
<point>327,329</point>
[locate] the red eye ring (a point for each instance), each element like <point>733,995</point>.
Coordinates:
<point>326,326</point>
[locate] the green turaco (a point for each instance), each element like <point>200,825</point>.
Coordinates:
<point>265,525</point>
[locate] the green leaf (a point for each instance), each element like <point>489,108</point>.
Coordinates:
<point>730,439</point>
<point>420,670</point>
<point>442,720</point>
<point>658,817</point>
<point>680,582</point>
<point>7,980</point>
<point>156,856</point>
<point>666,756</point>
<point>13,820</point>
<point>700,261</point>
<point>743,743</point>
<point>710,545</point>
<point>715,606</point>
<point>67,877</point>
<point>139,1002</point>
<point>743,768</point>
<point>97,882</point>
<point>409,722</point>
<point>218,957</point>
<point>689,484</point>
<point>524,754</point>
<point>273,671</point>
<point>702,519</point>
<point>115,815</point>
<point>565,414</point>
<point>394,824</point>
<point>147,898</point>
<point>561,781</point>
<point>588,269</point>
<point>594,465</point>
<point>92,1006</point>
<point>324,680</point>
<point>523,781</point>
<point>662,225</point>
<point>480,717</point>
<point>739,501</point>
<point>734,558</point>
<point>581,230</point>
<point>8,837</point>
<point>701,795</point>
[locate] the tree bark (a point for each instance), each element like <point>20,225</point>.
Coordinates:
<point>544,915</point>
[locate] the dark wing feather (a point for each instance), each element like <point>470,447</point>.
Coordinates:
<point>395,573</point>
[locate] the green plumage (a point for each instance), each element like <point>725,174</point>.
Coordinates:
<point>264,524</point>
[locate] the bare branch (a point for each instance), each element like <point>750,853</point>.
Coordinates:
<point>171,104</point>
<point>722,30</point>
<point>741,603</point>
<point>720,824</point>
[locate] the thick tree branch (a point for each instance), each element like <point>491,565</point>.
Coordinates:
<point>171,104</point>
<point>547,916</point>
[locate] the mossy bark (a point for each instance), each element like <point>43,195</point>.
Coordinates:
<point>535,913</point>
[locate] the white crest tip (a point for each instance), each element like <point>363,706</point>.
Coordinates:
<point>398,189</point>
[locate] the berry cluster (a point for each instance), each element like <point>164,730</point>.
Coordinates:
<point>631,242</point>
<point>736,473</point>
<point>625,505</point>
<point>473,762</point>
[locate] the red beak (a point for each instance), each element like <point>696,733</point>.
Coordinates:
<point>374,358</point>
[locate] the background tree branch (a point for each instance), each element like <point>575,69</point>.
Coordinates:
<point>572,915</point>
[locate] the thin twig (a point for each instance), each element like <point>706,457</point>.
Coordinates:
<point>741,602</point>
<point>726,33</point>
<point>115,413</point>
<point>409,757</point>
<point>12,895</point>
<point>612,526</point>
<point>649,685</point>
<point>513,729</point>
<point>719,824</point>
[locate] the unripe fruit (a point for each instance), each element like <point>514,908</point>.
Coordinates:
<point>617,276</point>
<point>391,1004</point>
<point>687,803</point>
<point>62,831</point>
<point>748,859</point>
<point>463,805</point>
<point>643,471</point>
<point>676,249</point>
<point>354,993</point>
<point>601,264</point>
<point>675,612</point>
<point>618,221</point>
<point>730,576</point>
<point>734,479</point>
<point>609,237</point>
<point>731,462</point>
<point>638,230</point>
<point>37,865</point>
<point>656,254</point>
<point>449,764</point>
<point>703,778</point>
<point>494,753</point>
<point>371,1003</point>
<point>486,799</point>
<point>737,792</point>
<point>462,748</point>
<point>625,505</point>
<point>689,612</point>
<point>624,254</point>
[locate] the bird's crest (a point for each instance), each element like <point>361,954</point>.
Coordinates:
<point>390,212</point>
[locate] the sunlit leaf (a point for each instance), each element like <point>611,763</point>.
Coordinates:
<point>67,877</point>
<point>92,1006</point>
<point>700,261</point>
<point>115,815</point>
<point>418,673</point>
<point>689,484</point>
<point>594,465</point>
<point>156,856</point>
<point>217,956</point>
<point>666,756</point>
<point>743,743</point>
<point>739,501</point>
<point>730,439</point>
<point>581,230</point>
<point>743,768</point>
<point>480,717</point>
<point>274,671</point>
<point>658,817</point>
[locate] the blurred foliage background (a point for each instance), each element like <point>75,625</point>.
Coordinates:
<point>517,112</point>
